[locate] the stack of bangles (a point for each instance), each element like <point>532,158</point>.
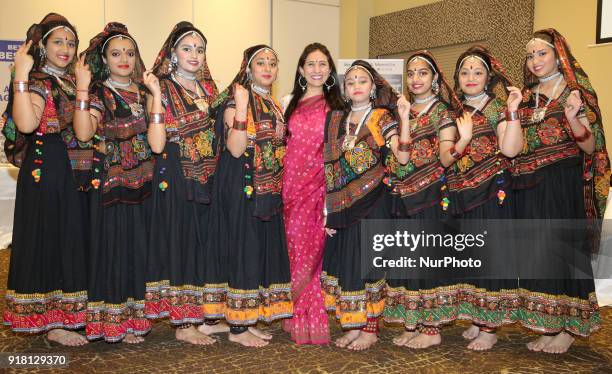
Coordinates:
<point>512,115</point>
<point>583,137</point>
<point>158,118</point>
<point>20,86</point>
<point>239,125</point>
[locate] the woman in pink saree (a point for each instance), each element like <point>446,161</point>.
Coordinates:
<point>315,92</point>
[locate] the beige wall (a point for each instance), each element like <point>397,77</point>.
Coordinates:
<point>575,20</point>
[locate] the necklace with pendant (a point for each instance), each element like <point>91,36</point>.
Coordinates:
<point>481,104</point>
<point>199,100</point>
<point>136,108</point>
<point>349,139</point>
<point>539,113</point>
<point>414,122</point>
<point>61,78</point>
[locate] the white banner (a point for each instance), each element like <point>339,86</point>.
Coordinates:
<point>391,69</point>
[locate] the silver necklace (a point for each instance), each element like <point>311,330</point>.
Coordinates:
<point>189,77</point>
<point>199,100</point>
<point>415,121</point>
<point>54,71</point>
<point>539,113</point>
<point>136,108</point>
<point>260,90</point>
<point>349,140</point>
<point>475,97</point>
<point>550,77</point>
<point>425,100</point>
<point>61,78</point>
<point>119,84</point>
<point>360,108</point>
<point>480,105</point>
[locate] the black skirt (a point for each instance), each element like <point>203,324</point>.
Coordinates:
<point>117,269</point>
<point>47,280</point>
<point>553,305</point>
<point>176,262</point>
<point>247,253</point>
<point>353,296</point>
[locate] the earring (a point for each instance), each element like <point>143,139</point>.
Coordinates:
<point>106,70</point>
<point>435,86</point>
<point>347,99</point>
<point>303,86</point>
<point>329,86</point>
<point>558,62</point>
<point>43,53</point>
<point>248,75</point>
<point>373,94</point>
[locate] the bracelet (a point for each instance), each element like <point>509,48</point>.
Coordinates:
<point>404,147</point>
<point>20,86</point>
<point>82,104</point>
<point>583,137</point>
<point>512,115</point>
<point>158,118</point>
<point>239,125</point>
<point>82,91</point>
<point>454,154</point>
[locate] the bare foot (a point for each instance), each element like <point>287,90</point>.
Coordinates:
<point>132,339</point>
<point>193,336</point>
<point>538,345</point>
<point>65,337</point>
<point>424,341</point>
<point>363,342</point>
<point>260,334</point>
<point>247,339</point>
<point>404,338</point>
<point>471,332</point>
<point>559,344</point>
<point>213,329</point>
<point>347,338</point>
<point>483,342</point>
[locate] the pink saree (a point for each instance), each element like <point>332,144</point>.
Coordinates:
<point>303,198</point>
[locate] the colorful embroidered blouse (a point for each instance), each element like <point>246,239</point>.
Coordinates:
<point>479,175</point>
<point>125,164</point>
<point>354,176</point>
<point>263,167</point>
<point>59,96</point>
<point>419,183</point>
<point>546,142</point>
<point>193,130</point>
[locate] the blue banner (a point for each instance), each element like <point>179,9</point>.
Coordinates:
<point>8,49</point>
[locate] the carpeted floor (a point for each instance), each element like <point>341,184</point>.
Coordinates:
<point>161,353</point>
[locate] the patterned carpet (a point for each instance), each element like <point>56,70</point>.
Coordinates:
<point>162,353</point>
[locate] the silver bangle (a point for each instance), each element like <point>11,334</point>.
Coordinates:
<point>158,118</point>
<point>82,104</point>
<point>20,86</point>
<point>512,116</point>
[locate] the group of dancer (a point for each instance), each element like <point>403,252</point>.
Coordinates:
<point>147,194</point>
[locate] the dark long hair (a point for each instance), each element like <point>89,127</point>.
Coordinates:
<point>333,97</point>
